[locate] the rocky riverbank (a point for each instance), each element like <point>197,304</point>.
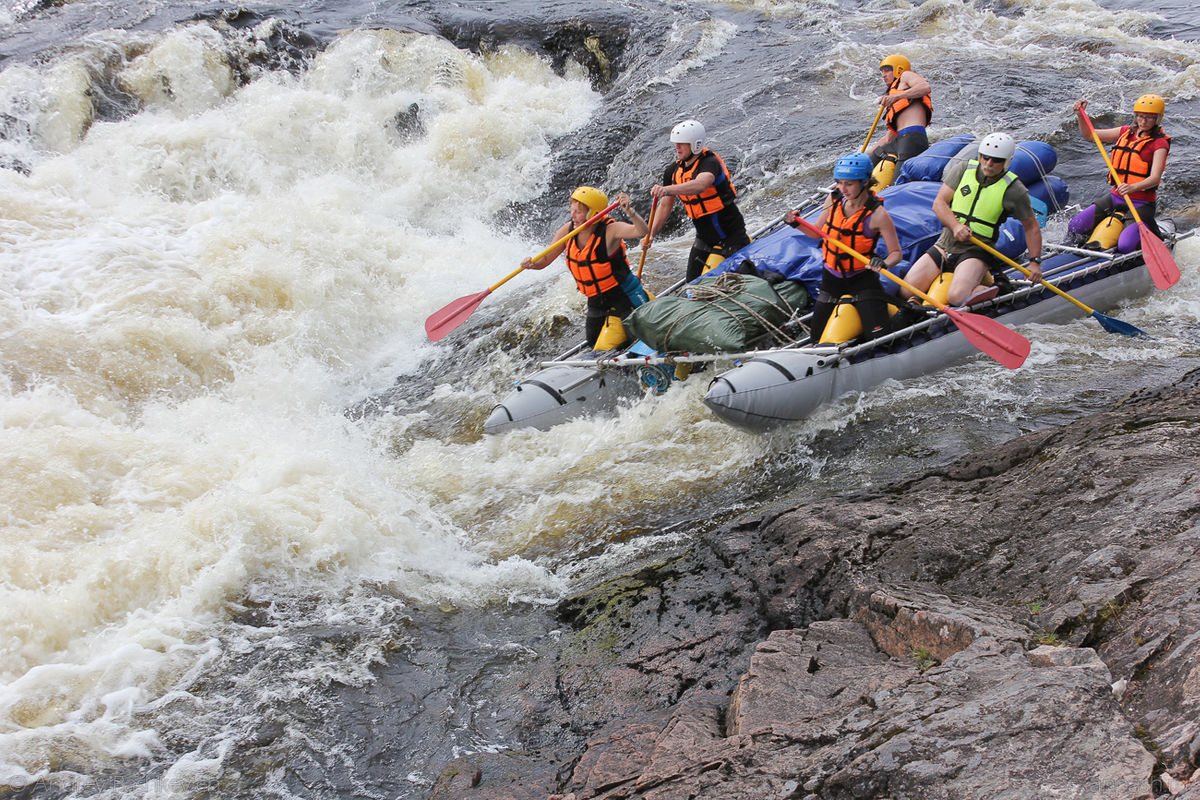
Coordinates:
<point>1022,623</point>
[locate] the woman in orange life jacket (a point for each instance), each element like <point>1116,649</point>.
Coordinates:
<point>854,215</point>
<point>699,178</point>
<point>908,108</point>
<point>597,260</point>
<point>1139,157</point>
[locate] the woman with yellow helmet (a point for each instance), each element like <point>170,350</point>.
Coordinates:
<point>596,258</point>
<point>1139,157</point>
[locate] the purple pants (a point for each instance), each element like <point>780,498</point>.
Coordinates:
<point>1085,221</point>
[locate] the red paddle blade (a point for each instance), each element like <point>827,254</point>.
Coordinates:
<point>454,314</point>
<point>1163,269</point>
<point>1002,344</point>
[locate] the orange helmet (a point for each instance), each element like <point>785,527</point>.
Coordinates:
<point>1149,104</point>
<point>898,63</point>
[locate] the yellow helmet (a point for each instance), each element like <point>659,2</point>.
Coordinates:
<point>1149,104</point>
<point>898,63</point>
<point>591,197</point>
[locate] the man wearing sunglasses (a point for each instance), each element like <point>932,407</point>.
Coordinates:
<point>975,199</point>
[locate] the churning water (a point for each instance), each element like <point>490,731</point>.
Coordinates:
<point>253,542</point>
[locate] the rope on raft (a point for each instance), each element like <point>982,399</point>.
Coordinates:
<point>725,289</point>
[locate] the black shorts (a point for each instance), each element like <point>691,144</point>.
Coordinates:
<point>903,147</point>
<point>946,262</point>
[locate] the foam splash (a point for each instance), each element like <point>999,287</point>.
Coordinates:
<point>193,294</point>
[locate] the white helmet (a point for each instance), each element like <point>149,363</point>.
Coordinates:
<point>691,132</point>
<point>998,145</point>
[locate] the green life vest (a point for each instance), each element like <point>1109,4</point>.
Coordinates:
<point>981,208</point>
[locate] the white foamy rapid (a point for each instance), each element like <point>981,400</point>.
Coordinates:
<point>193,295</point>
<point>190,298</point>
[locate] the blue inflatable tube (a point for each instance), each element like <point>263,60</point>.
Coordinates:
<point>1033,161</point>
<point>929,165</point>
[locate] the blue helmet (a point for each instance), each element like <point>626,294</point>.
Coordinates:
<point>853,167</point>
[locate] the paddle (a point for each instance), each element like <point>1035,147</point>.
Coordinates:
<point>649,236</point>
<point>871,132</point>
<point>455,313</point>
<point>1002,344</point>
<point>1163,269</point>
<point>1110,324</point>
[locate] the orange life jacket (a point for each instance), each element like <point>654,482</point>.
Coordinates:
<point>850,231</point>
<point>595,271</point>
<point>895,109</point>
<point>1128,162</point>
<point>712,199</point>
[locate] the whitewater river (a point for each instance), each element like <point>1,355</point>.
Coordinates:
<point>253,542</point>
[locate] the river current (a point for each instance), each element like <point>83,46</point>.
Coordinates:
<point>253,541</point>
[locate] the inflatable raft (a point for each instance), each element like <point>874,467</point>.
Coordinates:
<point>787,385</point>
<point>785,382</point>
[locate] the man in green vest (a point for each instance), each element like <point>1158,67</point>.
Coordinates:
<point>975,199</point>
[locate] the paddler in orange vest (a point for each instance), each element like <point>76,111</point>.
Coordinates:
<point>854,215</point>
<point>597,260</point>
<point>1139,157</point>
<point>699,178</point>
<point>908,108</point>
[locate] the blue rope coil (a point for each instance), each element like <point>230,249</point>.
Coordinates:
<point>656,377</point>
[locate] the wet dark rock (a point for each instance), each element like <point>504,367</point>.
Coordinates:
<point>596,39</point>
<point>263,43</point>
<point>1024,622</point>
<point>407,123</point>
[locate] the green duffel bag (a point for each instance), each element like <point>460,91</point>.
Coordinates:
<point>723,314</point>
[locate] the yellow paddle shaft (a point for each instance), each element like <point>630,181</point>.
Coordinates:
<point>871,132</point>
<point>649,238</point>
<point>1111,169</point>
<point>1050,286</point>
<point>884,272</point>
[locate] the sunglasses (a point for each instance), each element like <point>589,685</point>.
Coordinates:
<point>992,159</point>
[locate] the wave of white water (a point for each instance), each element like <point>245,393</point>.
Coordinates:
<point>189,299</point>
<point>192,295</point>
